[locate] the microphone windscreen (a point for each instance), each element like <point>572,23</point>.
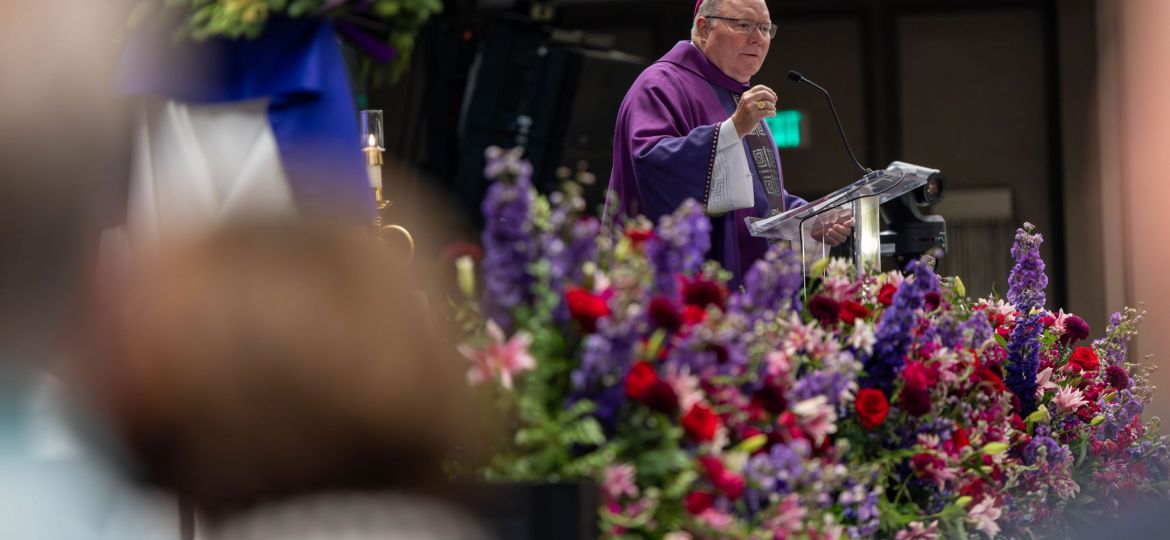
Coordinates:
<point>795,75</point>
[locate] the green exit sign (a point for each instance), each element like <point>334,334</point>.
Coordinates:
<point>787,127</point>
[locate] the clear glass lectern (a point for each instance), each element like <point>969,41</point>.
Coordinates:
<point>859,201</point>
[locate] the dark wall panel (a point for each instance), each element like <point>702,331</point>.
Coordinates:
<point>974,102</point>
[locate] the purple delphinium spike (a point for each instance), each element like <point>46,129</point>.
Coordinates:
<point>893,336</point>
<point>509,244</point>
<point>1027,280</point>
<point>679,245</point>
<point>1026,291</point>
<point>771,286</point>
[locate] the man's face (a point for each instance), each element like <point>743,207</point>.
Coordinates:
<point>737,54</point>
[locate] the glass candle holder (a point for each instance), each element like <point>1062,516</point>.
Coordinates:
<point>372,129</point>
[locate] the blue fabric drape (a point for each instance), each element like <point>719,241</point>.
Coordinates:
<point>298,66</point>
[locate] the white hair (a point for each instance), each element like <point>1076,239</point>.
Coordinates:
<point>707,8</point>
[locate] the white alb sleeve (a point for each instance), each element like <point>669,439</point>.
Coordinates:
<point>731,177</point>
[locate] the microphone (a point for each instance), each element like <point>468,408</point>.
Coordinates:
<point>797,77</point>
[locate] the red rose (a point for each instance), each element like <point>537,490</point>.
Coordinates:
<point>644,386</point>
<point>712,466</point>
<point>960,439</point>
<point>918,376</point>
<point>586,307</point>
<point>1048,320</point>
<point>702,293</point>
<point>974,489</point>
<point>693,315</point>
<point>989,376</point>
<point>787,428</point>
<point>1084,359</point>
<point>886,294</point>
<point>700,423</point>
<point>639,236</point>
<point>730,484</point>
<point>872,407</point>
<point>851,311</point>
<point>698,502</point>
<point>665,315</point>
<point>824,309</point>
<point>639,381</point>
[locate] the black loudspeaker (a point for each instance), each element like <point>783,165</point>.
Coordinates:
<point>557,100</point>
<point>528,511</point>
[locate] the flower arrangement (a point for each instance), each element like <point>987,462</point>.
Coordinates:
<point>887,406</point>
<point>383,31</point>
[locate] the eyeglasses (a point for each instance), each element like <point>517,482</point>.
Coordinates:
<point>745,26</point>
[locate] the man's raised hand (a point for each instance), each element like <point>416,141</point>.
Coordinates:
<point>757,103</point>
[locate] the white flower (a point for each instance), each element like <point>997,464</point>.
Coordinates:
<point>685,385</point>
<point>1058,328</point>
<point>983,516</point>
<point>465,275</point>
<point>862,338</point>
<point>1069,399</point>
<point>840,268</point>
<point>929,441</point>
<point>999,307</point>
<point>838,288</point>
<point>816,418</point>
<point>893,278</point>
<point>1065,487</point>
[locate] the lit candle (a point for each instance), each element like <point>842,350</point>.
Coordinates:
<point>374,163</point>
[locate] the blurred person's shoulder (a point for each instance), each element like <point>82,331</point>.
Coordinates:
<point>356,516</point>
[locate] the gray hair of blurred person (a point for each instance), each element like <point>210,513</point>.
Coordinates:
<point>273,360</point>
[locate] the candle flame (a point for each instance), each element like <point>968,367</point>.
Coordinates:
<point>373,140</point>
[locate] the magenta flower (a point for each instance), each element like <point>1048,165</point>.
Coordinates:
<point>500,359</point>
<point>789,517</point>
<point>918,531</point>
<point>1069,399</point>
<point>618,481</point>
<point>983,516</point>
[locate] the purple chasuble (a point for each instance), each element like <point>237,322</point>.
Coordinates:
<point>664,150</point>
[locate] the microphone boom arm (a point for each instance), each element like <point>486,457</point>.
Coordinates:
<point>798,77</point>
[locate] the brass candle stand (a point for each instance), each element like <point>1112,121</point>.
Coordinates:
<point>373,150</point>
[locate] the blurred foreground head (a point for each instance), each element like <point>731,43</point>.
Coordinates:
<point>61,145</point>
<point>270,360</point>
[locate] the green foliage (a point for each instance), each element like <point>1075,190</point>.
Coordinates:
<point>395,22</point>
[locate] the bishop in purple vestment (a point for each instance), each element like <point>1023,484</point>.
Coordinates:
<point>691,127</point>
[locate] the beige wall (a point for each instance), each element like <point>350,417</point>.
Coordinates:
<point>1133,183</point>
